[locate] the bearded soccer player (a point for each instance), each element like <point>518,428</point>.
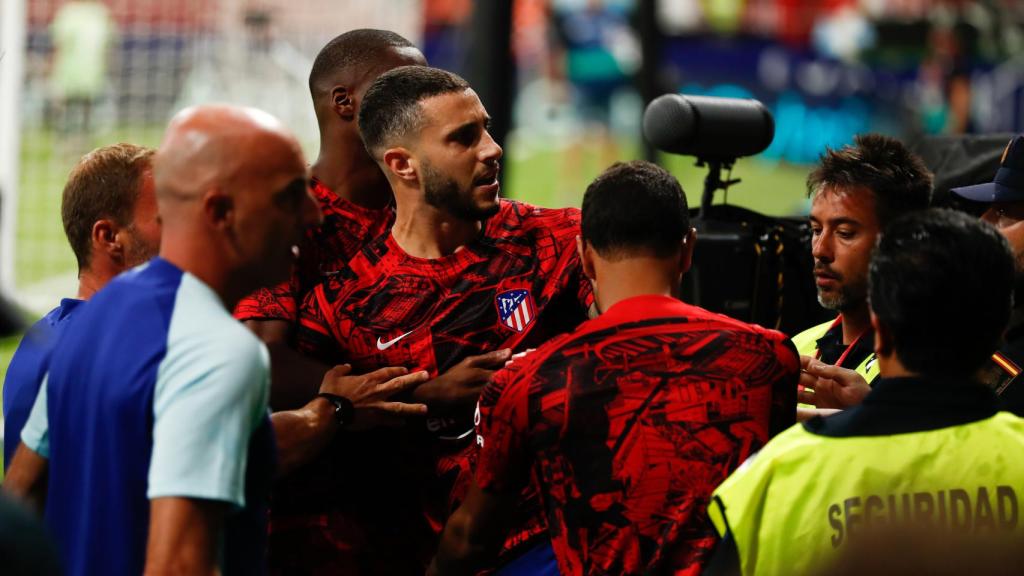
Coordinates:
<point>306,533</point>
<point>628,423</point>
<point>461,273</point>
<point>110,219</point>
<point>855,190</point>
<point>353,195</point>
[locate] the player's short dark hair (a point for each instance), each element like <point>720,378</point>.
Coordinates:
<point>942,282</point>
<point>898,178</point>
<point>391,109</point>
<point>105,184</point>
<point>361,47</point>
<point>635,208</point>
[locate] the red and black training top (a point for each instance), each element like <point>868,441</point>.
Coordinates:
<point>518,285</point>
<point>627,425</point>
<point>346,228</point>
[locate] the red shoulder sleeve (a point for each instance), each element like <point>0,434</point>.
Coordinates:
<point>275,303</point>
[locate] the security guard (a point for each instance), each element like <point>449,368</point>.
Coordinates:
<point>927,447</point>
<point>1005,199</point>
<point>855,190</point>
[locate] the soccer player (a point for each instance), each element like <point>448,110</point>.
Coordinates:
<point>461,273</point>
<point>855,192</point>
<point>154,428</point>
<point>628,423</point>
<point>109,213</point>
<point>356,202</point>
<point>926,450</point>
<point>353,195</point>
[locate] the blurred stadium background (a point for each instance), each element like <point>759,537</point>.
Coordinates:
<point>75,75</point>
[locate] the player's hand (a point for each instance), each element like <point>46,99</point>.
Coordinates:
<point>827,386</point>
<point>460,386</point>
<point>370,393</point>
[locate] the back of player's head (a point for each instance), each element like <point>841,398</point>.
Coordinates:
<point>941,282</point>
<point>360,49</point>
<point>105,184</point>
<point>898,178</point>
<point>635,208</point>
<point>391,111</point>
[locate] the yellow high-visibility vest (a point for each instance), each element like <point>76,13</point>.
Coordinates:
<point>806,344</point>
<point>794,506</point>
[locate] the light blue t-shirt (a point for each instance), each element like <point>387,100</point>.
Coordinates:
<point>157,392</point>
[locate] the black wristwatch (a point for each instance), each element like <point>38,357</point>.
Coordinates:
<point>343,409</point>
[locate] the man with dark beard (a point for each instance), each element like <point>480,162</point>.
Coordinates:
<point>855,190</point>
<point>461,273</point>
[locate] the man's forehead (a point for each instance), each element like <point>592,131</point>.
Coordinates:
<point>452,109</point>
<point>844,202</point>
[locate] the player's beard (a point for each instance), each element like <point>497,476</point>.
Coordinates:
<point>137,251</point>
<point>442,192</point>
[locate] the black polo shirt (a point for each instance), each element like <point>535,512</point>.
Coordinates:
<point>831,347</point>
<point>910,404</point>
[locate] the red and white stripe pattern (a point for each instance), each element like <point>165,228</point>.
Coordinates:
<point>515,308</point>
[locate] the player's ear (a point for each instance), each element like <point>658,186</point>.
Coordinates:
<point>103,239</point>
<point>686,251</point>
<point>342,103</point>
<point>219,208</point>
<point>400,163</point>
<point>586,252</point>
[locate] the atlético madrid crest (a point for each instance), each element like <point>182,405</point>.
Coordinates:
<point>515,309</point>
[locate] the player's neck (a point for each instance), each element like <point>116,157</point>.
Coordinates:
<point>352,175</point>
<point>90,281</point>
<point>632,277</point>
<point>855,323</point>
<point>889,366</point>
<point>423,231</point>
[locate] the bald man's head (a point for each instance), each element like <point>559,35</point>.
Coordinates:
<point>236,178</point>
<point>210,146</point>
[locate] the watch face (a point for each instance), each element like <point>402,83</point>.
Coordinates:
<point>343,409</point>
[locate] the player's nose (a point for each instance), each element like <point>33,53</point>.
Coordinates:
<point>490,150</point>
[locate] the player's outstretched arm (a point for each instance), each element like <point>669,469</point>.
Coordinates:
<point>293,376</point>
<point>303,433</point>
<point>473,534</point>
<point>182,536</point>
<point>460,386</point>
<point>27,476</point>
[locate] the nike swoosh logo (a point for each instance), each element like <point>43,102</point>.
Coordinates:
<point>385,345</point>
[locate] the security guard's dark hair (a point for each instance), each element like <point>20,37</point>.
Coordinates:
<point>898,178</point>
<point>635,208</point>
<point>942,282</point>
<point>338,57</point>
<point>391,110</point>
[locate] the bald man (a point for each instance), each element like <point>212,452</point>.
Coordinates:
<point>155,429</point>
